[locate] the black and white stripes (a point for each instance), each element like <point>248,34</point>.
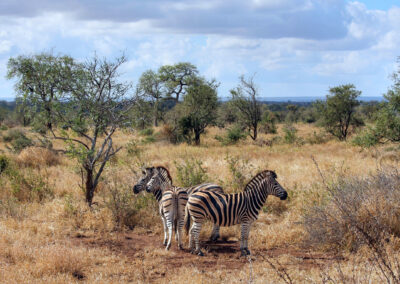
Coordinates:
<point>231,209</point>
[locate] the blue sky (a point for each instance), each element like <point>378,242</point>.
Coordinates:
<point>294,47</point>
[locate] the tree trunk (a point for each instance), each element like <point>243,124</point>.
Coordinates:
<point>197,138</point>
<point>255,132</point>
<point>89,186</point>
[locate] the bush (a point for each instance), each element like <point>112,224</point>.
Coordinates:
<point>147,132</point>
<point>37,157</point>
<point>233,135</point>
<point>366,139</point>
<point>119,202</point>
<point>241,172</point>
<point>4,162</point>
<point>290,134</point>
<point>3,127</point>
<point>356,212</point>
<point>17,139</point>
<point>190,172</point>
<point>29,186</point>
<point>172,134</point>
<point>317,138</point>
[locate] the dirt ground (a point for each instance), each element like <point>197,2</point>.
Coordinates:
<point>220,255</point>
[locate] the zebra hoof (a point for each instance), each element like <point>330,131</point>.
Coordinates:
<point>247,251</point>
<point>167,247</point>
<point>165,243</point>
<point>180,247</point>
<point>200,253</point>
<point>193,251</point>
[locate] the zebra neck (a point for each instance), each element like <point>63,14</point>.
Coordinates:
<point>158,194</point>
<point>257,197</point>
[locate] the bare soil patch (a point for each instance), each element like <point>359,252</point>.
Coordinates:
<point>220,255</point>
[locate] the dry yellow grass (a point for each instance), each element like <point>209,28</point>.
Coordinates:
<point>60,240</point>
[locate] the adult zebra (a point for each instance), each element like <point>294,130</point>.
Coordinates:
<point>231,209</point>
<point>172,207</point>
<point>165,176</point>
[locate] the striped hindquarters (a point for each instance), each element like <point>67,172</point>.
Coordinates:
<point>222,209</point>
<point>173,203</point>
<point>204,187</point>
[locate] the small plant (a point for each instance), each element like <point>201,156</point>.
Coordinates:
<point>147,132</point>
<point>3,127</point>
<point>17,139</point>
<point>29,186</point>
<point>133,149</point>
<point>4,163</point>
<point>233,135</point>
<point>190,172</point>
<point>241,171</point>
<point>290,134</point>
<point>317,138</point>
<point>119,202</point>
<point>366,139</point>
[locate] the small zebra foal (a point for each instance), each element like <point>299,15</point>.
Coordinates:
<point>231,209</point>
<point>171,207</point>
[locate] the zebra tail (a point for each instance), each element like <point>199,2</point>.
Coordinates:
<point>175,212</point>
<point>187,220</point>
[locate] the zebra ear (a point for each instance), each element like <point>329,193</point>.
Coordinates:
<point>273,174</point>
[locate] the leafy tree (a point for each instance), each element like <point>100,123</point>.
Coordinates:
<point>41,81</point>
<point>200,106</point>
<point>338,115</point>
<point>141,114</point>
<point>388,120</point>
<point>244,98</point>
<point>150,85</point>
<point>97,106</point>
<point>177,79</point>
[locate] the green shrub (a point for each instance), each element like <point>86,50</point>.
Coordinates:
<point>17,139</point>
<point>233,135</point>
<point>4,163</point>
<point>147,132</point>
<point>3,127</point>
<point>190,172</point>
<point>148,140</point>
<point>133,149</point>
<point>290,134</point>
<point>317,138</point>
<point>366,139</point>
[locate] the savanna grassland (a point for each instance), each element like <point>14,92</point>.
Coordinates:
<point>49,234</point>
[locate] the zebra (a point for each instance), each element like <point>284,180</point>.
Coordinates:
<point>171,207</point>
<point>164,174</point>
<point>231,209</point>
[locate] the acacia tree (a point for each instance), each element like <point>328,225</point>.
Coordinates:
<point>177,78</point>
<point>41,81</point>
<point>337,113</point>
<point>200,105</point>
<point>97,105</point>
<point>244,99</point>
<point>150,86</point>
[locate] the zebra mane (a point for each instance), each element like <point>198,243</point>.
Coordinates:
<point>260,176</point>
<point>162,169</point>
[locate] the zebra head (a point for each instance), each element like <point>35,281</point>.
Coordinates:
<point>160,180</point>
<point>142,183</point>
<point>272,185</point>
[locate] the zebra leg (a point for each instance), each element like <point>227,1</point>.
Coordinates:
<point>215,233</point>
<point>245,230</point>
<point>196,233</point>
<point>165,229</point>
<point>179,233</point>
<point>169,225</point>
<point>191,240</point>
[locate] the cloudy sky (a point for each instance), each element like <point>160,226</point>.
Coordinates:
<point>294,47</point>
